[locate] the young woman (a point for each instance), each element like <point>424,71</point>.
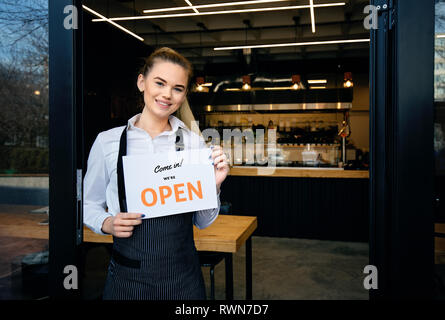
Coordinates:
<point>152,258</point>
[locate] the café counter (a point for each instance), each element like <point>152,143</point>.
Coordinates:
<point>301,202</point>
<point>298,172</point>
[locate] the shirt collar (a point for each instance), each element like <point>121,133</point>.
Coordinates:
<point>175,123</point>
<point>132,121</point>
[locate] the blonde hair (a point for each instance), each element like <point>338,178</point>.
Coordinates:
<point>170,55</point>
<point>185,114</point>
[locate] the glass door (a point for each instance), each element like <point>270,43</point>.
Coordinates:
<point>439,145</point>
<point>402,151</point>
<point>24,149</point>
<point>65,114</point>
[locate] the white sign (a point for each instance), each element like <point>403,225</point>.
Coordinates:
<point>170,183</point>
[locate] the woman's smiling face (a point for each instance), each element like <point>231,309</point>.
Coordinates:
<point>164,87</point>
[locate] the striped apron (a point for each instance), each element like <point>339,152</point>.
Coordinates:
<point>159,261</point>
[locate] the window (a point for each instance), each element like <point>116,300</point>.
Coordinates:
<point>23,146</point>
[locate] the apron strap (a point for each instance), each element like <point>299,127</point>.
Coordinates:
<point>120,171</point>
<point>179,143</point>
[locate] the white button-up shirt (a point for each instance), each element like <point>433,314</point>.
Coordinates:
<point>100,183</point>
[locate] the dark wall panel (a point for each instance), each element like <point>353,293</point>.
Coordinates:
<point>327,209</point>
<point>112,60</point>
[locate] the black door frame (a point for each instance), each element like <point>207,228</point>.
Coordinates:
<point>401,149</point>
<point>65,146</point>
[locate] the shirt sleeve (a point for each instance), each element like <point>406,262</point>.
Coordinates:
<point>204,218</point>
<point>94,189</point>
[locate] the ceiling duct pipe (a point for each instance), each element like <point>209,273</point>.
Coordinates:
<point>236,81</point>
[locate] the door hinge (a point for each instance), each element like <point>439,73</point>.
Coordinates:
<point>387,6</point>
<point>79,184</point>
<point>79,208</point>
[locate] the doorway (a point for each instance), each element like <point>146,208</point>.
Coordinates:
<point>401,214</point>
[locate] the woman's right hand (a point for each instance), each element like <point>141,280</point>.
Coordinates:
<point>122,224</point>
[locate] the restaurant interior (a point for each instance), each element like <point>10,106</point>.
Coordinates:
<point>315,96</point>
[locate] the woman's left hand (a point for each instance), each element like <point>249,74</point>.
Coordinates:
<point>221,165</point>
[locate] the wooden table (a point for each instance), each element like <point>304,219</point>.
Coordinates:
<point>227,234</point>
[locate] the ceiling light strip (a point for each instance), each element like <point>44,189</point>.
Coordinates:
<point>292,44</point>
<point>177,15</point>
<point>277,88</point>
<point>113,23</point>
<point>191,6</point>
<point>317,81</point>
<point>311,4</point>
<point>214,5</point>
